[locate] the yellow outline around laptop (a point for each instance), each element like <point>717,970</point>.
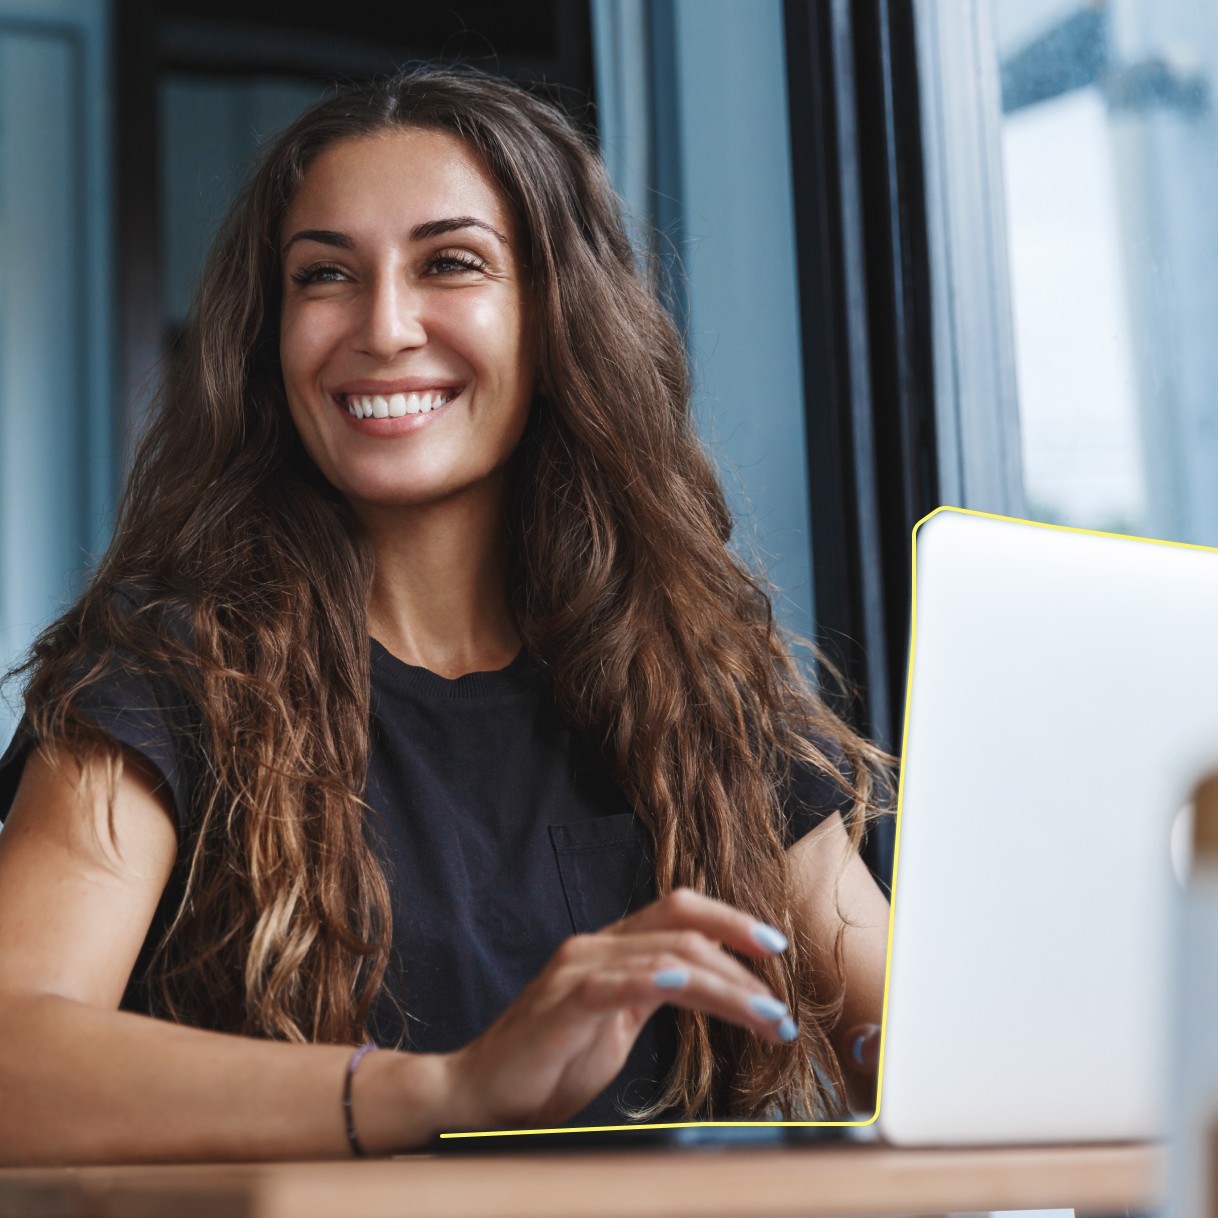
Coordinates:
<point>879,1083</point>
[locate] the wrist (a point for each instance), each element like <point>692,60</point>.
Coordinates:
<point>400,1100</point>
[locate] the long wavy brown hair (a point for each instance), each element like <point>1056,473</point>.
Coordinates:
<point>240,575</point>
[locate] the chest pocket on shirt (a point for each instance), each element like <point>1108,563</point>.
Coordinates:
<point>605,867</point>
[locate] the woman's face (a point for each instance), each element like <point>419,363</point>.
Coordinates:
<point>405,339</point>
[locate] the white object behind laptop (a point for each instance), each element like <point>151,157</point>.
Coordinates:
<point>1063,700</point>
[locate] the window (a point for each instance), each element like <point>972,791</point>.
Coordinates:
<point>56,431</point>
<point>1096,123</point>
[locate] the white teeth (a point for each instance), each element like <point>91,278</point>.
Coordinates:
<point>394,406</point>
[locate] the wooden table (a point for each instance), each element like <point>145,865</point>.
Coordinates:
<point>740,1183</point>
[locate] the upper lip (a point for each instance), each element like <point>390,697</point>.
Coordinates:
<point>407,384</point>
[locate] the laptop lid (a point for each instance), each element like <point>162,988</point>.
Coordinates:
<point>1063,700</point>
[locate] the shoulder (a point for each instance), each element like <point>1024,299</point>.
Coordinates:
<point>815,787</point>
<point>119,673</point>
<point>138,661</point>
<point>158,612</point>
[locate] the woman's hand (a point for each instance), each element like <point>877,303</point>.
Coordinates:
<point>568,1034</point>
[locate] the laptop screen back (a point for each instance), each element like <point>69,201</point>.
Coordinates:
<point>1063,700</point>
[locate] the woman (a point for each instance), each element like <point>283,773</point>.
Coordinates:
<point>417,669</point>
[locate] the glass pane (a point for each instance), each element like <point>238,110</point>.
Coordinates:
<point>1110,158</point>
<point>211,130</point>
<point>44,533</point>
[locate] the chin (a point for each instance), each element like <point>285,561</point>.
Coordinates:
<point>404,491</point>
<point>399,496</point>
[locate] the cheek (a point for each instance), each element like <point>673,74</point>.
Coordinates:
<point>291,347</point>
<point>489,334</point>
<point>304,339</point>
<point>303,344</point>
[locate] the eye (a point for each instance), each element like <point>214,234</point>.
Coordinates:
<point>319,272</point>
<point>453,262</point>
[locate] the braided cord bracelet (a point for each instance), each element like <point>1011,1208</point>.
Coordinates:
<point>356,1149</point>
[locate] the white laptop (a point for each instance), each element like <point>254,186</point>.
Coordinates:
<point>1063,700</point>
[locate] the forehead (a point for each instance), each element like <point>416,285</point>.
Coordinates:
<point>402,178</point>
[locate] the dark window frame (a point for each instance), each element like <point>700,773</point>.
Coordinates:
<point>865,301</point>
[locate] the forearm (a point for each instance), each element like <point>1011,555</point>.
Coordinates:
<point>79,1084</point>
<point>863,991</point>
<point>841,910</point>
<point>856,1034</point>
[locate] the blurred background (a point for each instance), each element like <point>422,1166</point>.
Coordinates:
<point>924,252</point>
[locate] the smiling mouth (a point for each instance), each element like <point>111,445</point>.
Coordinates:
<point>394,406</point>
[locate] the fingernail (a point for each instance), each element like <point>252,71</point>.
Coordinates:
<point>671,978</point>
<point>769,938</point>
<point>767,1007</point>
<point>788,1030</point>
<point>857,1051</point>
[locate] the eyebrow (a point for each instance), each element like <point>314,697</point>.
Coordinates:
<point>437,228</point>
<point>421,232</point>
<point>323,236</point>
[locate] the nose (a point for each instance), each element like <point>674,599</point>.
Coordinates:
<point>392,321</point>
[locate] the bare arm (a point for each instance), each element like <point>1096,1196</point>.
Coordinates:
<point>81,1081</point>
<point>855,907</point>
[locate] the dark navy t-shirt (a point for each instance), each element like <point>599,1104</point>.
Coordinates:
<point>501,835</point>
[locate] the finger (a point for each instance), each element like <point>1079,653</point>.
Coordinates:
<point>667,957</point>
<point>685,909</point>
<point>863,1044</point>
<point>673,979</point>
<point>623,947</point>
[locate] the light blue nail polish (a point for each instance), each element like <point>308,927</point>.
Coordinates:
<point>769,938</point>
<point>671,978</point>
<point>766,1007</point>
<point>788,1030</point>
<point>857,1051</point>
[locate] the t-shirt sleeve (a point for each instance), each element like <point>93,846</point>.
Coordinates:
<point>811,796</point>
<point>144,713</point>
